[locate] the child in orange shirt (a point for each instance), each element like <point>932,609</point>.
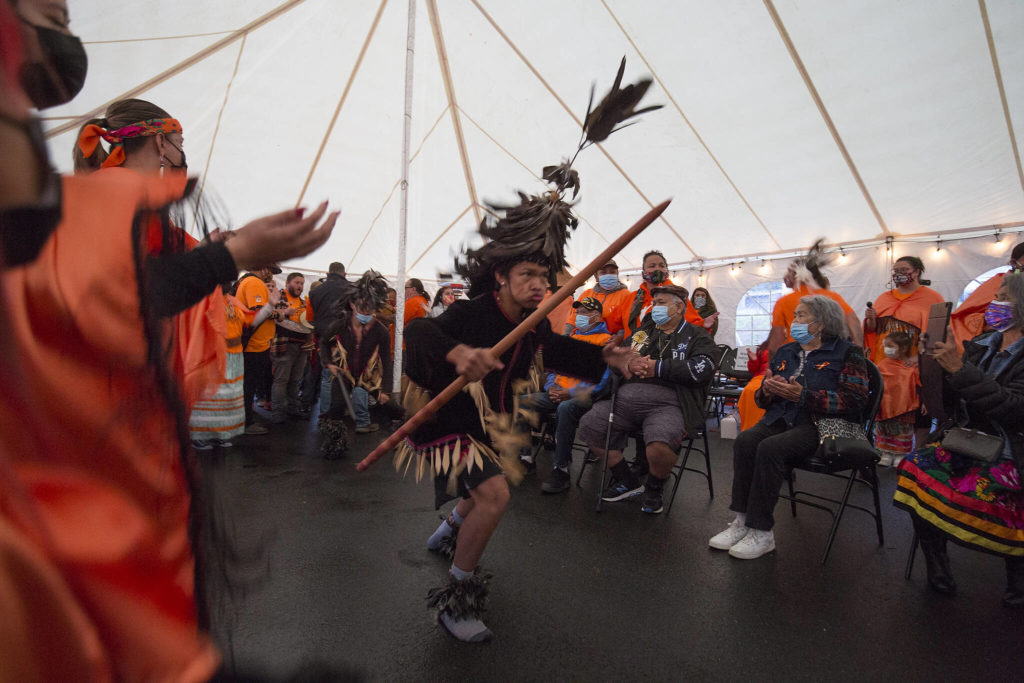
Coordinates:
<point>901,401</point>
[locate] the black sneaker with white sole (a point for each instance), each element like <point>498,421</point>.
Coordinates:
<point>651,502</point>
<point>622,490</point>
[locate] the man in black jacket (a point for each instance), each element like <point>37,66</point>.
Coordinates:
<point>324,299</point>
<point>325,307</point>
<point>664,399</point>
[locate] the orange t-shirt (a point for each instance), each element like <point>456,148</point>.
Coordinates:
<point>785,308</point>
<point>612,305</point>
<point>253,294</point>
<point>237,317</point>
<point>415,307</point>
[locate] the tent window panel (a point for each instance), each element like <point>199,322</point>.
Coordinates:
<point>978,281</point>
<point>754,312</point>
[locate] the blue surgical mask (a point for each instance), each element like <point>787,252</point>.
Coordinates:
<point>659,314</point>
<point>364,319</point>
<point>800,333</point>
<point>582,321</point>
<point>607,281</point>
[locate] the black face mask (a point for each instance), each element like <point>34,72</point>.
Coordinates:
<point>24,229</point>
<point>61,75</point>
<point>183,166</point>
<point>655,277</point>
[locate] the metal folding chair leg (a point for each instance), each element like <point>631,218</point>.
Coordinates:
<point>910,557</point>
<point>873,483</point>
<point>839,515</point>
<point>607,446</point>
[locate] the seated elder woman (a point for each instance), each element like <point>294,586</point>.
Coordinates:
<point>818,375</point>
<point>976,502</point>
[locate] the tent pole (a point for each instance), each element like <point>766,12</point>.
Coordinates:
<point>403,212</point>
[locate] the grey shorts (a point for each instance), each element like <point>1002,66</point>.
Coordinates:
<point>650,409</point>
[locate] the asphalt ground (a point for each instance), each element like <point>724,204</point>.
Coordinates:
<point>329,572</point>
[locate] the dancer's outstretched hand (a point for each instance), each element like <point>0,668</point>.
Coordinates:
<point>618,357</point>
<point>280,237</point>
<point>472,363</point>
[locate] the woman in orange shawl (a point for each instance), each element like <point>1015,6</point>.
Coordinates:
<point>902,309</point>
<point>97,517</point>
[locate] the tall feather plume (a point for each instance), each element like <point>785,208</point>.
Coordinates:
<point>537,228</point>
<point>371,287</point>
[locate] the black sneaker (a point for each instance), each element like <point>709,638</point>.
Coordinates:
<point>651,502</point>
<point>557,482</point>
<point>620,490</point>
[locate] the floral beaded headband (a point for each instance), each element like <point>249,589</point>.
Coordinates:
<point>89,139</point>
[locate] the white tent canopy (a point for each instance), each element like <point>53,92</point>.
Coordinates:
<point>785,120</point>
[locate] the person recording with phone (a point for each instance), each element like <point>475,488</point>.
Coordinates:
<point>975,498</point>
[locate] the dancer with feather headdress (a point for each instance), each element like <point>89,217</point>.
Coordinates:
<point>806,277</point>
<point>359,347</point>
<point>473,441</point>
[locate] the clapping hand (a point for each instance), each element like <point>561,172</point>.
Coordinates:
<point>619,358</point>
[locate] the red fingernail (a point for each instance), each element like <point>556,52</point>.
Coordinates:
<point>300,211</point>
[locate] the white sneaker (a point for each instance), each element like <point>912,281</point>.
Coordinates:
<point>732,535</point>
<point>755,544</point>
<point>885,460</point>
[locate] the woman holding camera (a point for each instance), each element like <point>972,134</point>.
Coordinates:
<point>977,503</point>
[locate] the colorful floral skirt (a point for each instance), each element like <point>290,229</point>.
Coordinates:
<point>895,436</point>
<point>222,416</point>
<point>977,504</point>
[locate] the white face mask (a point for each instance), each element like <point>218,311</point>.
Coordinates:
<point>891,351</point>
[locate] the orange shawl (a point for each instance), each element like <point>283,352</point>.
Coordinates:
<point>968,319</point>
<point>912,312</point>
<point>92,491</point>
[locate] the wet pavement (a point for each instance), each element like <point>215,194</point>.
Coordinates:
<point>330,571</point>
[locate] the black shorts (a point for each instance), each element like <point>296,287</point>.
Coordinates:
<point>464,483</point>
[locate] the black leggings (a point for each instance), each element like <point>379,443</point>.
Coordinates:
<point>761,457</point>
<point>256,379</point>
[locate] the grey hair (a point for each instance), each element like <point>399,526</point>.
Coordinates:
<point>828,313</point>
<point>1015,288</point>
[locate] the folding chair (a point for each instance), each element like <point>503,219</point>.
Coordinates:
<point>858,460</point>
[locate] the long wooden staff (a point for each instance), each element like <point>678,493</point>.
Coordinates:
<point>429,410</point>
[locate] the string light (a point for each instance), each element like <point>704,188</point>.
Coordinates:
<point>938,245</point>
<point>764,266</point>
<point>999,236</point>
<point>888,245</point>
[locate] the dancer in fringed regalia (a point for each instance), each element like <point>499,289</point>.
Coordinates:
<point>360,351</point>
<point>473,440</point>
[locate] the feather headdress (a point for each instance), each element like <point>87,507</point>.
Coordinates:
<point>807,270</point>
<point>371,287</point>
<point>537,228</point>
